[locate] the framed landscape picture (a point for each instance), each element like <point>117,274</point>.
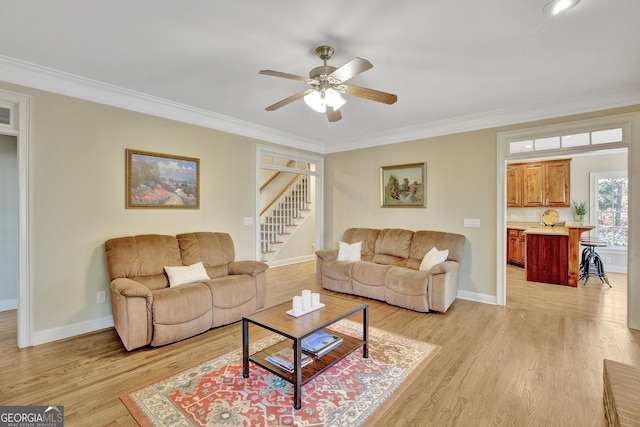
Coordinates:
<point>403,185</point>
<point>162,181</point>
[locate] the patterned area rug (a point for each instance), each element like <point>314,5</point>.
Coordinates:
<point>350,393</point>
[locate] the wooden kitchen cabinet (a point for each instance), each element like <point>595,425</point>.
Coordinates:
<point>515,247</point>
<point>548,259</point>
<point>539,184</point>
<point>514,185</point>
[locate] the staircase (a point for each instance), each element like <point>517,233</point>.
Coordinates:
<point>284,216</point>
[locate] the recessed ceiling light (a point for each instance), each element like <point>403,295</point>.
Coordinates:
<point>557,6</point>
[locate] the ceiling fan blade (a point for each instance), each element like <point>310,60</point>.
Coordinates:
<point>286,76</point>
<point>288,100</point>
<point>372,95</point>
<point>351,69</point>
<point>333,115</point>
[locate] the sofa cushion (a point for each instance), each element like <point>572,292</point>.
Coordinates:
<point>215,250</point>
<point>368,279</point>
<point>407,288</point>
<point>424,240</point>
<point>367,236</point>
<point>337,270</point>
<point>370,273</point>
<point>392,246</point>
<point>432,258</point>
<point>186,274</point>
<point>143,258</point>
<point>349,252</point>
<point>232,291</point>
<point>180,304</point>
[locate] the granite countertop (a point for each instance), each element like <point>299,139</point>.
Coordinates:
<point>560,229</point>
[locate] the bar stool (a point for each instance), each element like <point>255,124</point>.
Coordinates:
<point>591,264</point>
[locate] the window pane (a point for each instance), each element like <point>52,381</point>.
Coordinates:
<point>613,203</point>
<point>5,116</point>
<point>547,143</point>
<point>576,140</point>
<point>606,136</point>
<point>521,146</point>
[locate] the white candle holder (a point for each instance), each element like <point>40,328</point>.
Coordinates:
<point>306,303</point>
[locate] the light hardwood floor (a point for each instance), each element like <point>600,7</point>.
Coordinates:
<point>537,361</point>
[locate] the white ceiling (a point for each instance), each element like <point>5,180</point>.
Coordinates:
<point>455,65</point>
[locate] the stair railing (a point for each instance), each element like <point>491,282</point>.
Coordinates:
<point>280,214</point>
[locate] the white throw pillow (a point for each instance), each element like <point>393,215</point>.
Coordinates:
<point>347,252</point>
<point>433,257</point>
<point>187,274</point>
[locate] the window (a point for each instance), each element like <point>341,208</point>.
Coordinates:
<point>610,193</point>
<point>583,139</point>
<point>5,116</point>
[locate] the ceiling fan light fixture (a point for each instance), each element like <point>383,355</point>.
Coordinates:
<point>319,101</point>
<point>315,101</point>
<point>557,6</point>
<point>332,98</point>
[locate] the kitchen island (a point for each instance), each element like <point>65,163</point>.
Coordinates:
<point>552,252</point>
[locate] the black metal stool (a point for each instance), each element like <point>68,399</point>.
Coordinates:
<point>591,264</point>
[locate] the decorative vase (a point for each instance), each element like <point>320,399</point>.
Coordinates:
<point>580,218</point>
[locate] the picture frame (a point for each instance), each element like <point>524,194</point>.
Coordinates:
<point>162,181</point>
<point>403,186</point>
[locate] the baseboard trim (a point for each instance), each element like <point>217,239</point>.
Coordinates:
<point>477,297</point>
<point>68,331</point>
<point>280,263</point>
<point>9,304</point>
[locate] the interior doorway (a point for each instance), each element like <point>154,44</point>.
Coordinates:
<point>628,123</point>
<point>8,222</point>
<point>15,116</point>
<point>289,213</point>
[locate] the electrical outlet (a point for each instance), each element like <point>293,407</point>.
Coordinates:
<point>471,223</point>
<point>102,297</point>
<point>607,260</point>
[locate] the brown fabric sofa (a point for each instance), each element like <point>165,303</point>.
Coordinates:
<point>146,310</point>
<point>389,268</point>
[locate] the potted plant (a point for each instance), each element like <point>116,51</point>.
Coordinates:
<point>580,208</point>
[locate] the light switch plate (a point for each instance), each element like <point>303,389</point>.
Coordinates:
<point>471,223</point>
<point>248,220</point>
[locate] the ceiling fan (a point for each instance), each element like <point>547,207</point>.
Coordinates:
<point>327,83</point>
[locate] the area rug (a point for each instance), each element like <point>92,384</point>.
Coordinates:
<point>353,392</point>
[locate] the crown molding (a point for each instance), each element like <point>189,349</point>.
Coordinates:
<point>38,77</point>
<point>35,76</point>
<point>586,103</point>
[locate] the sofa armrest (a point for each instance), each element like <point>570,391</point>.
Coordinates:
<point>252,268</point>
<point>131,304</point>
<point>444,267</point>
<point>327,254</point>
<point>443,285</point>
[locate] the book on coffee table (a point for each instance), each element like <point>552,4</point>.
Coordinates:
<point>320,343</point>
<point>283,359</point>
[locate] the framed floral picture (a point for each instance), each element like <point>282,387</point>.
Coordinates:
<point>403,186</point>
<point>162,181</point>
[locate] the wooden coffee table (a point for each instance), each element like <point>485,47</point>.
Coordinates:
<point>277,320</point>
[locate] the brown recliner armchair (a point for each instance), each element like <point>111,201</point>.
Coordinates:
<point>148,311</point>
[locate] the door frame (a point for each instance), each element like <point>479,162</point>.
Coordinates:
<point>630,124</point>
<point>20,127</point>
<point>318,203</point>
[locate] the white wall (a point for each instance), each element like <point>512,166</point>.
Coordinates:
<point>8,223</point>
